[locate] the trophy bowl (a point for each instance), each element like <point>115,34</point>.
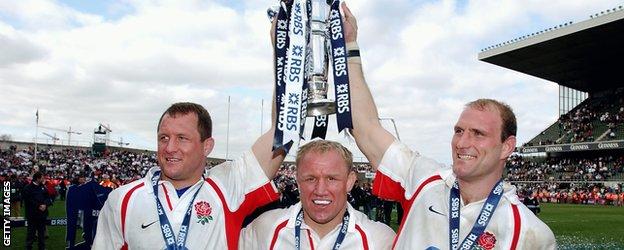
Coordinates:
<point>318,103</point>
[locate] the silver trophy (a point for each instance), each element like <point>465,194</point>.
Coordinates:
<point>317,58</point>
<point>318,103</point>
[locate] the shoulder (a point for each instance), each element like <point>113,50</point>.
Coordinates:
<point>244,160</point>
<point>400,162</point>
<point>534,231</point>
<point>130,187</point>
<point>264,228</point>
<point>375,231</point>
<point>237,178</point>
<point>270,220</point>
<point>126,191</point>
<point>33,189</point>
<point>263,231</point>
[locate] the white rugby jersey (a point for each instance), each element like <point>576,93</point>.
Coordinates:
<point>232,190</point>
<point>275,229</point>
<point>422,186</point>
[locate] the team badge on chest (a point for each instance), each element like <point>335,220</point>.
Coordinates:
<point>203,211</point>
<point>486,241</point>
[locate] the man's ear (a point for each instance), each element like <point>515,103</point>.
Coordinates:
<point>208,146</point>
<point>509,145</point>
<point>351,180</point>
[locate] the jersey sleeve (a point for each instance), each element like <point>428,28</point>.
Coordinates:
<point>401,172</point>
<point>248,238</point>
<point>380,236</point>
<point>535,234</point>
<point>385,239</point>
<point>261,232</point>
<point>244,184</point>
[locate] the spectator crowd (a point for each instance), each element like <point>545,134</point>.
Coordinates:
<point>567,180</point>
<point>581,124</point>
<point>68,166</point>
<point>600,168</point>
<point>573,193</point>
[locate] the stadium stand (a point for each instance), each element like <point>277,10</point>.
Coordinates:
<point>580,157</point>
<point>598,118</point>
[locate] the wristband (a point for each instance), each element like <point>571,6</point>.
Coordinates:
<point>351,57</point>
<point>353,53</point>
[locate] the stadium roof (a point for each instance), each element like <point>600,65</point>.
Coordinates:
<point>586,56</point>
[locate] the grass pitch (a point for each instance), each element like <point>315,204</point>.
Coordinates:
<point>574,226</point>
<point>56,234</point>
<point>585,226</point>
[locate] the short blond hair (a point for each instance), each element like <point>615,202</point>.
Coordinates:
<point>323,146</point>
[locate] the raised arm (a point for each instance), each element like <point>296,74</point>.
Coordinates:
<point>269,160</point>
<point>262,148</point>
<point>370,136</point>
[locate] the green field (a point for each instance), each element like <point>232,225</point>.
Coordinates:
<point>575,227</point>
<point>56,234</point>
<point>585,226</point>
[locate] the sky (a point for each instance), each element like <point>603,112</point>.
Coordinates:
<point>123,62</point>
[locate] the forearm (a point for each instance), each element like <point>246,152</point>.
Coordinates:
<point>365,112</point>
<point>372,139</point>
<point>269,160</point>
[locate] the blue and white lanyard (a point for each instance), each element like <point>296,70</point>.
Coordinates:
<point>165,226</point>
<point>341,234</point>
<point>482,221</point>
<point>340,76</point>
<point>294,73</point>
<point>282,42</point>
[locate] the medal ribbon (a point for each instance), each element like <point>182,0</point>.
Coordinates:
<point>341,235</point>
<point>480,224</point>
<point>165,226</point>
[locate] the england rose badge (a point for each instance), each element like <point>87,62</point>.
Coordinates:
<point>203,211</point>
<point>486,241</point>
